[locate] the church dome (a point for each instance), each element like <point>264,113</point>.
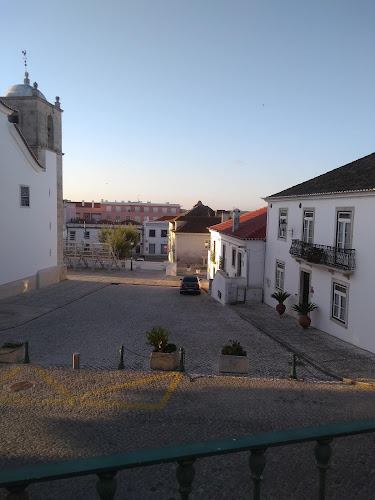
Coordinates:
<point>24,89</point>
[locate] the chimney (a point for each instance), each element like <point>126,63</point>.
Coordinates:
<point>83,203</point>
<point>236,219</point>
<point>92,204</point>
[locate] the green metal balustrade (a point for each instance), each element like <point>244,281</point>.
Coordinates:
<point>106,467</point>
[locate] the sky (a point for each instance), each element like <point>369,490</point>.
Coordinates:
<point>223,101</point>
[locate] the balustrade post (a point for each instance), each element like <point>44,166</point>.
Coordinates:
<point>185,474</point>
<point>323,453</point>
<point>17,492</point>
<point>257,463</point>
<point>106,485</point>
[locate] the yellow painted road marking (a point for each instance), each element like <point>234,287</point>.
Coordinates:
<point>11,373</point>
<point>52,382</point>
<point>84,400</point>
<point>126,384</point>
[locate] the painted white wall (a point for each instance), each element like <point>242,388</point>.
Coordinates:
<point>190,248</point>
<point>226,283</point>
<point>358,330</point>
<point>29,234</point>
<point>156,240</point>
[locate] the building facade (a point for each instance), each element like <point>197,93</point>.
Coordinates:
<point>236,258</point>
<point>319,249</point>
<point>189,237</point>
<point>116,211</point>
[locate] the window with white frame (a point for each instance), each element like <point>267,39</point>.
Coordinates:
<point>344,229</point>
<point>279,277</point>
<point>164,210</point>
<point>127,217</point>
<point>137,209</point>
<point>207,244</point>
<point>118,209</point>
<point>308,226</point>
<point>108,208</point>
<point>151,248</point>
<point>146,209</point>
<point>137,218</point>
<point>155,210</point>
<point>173,210</point>
<point>108,217</point>
<point>283,223</point>
<point>339,302</point>
<point>25,196</point>
<point>118,218</point>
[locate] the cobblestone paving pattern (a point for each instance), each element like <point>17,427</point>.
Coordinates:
<point>205,408</point>
<point>97,325</point>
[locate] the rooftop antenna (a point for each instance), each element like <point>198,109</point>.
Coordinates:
<point>24,58</point>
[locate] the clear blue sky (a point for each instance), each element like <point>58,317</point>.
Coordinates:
<point>225,101</point>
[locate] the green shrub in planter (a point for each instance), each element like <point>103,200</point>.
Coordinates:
<point>157,338</point>
<point>234,349</point>
<point>12,345</point>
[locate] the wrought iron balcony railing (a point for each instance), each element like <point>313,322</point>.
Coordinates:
<point>106,467</point>
<point>339,258</point>
<point>213,256</point>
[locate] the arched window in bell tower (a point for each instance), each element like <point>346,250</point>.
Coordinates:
<point>51,142</point>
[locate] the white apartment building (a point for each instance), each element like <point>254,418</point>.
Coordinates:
<point>320,241</point>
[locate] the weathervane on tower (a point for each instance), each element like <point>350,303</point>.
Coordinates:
<point>24,58</point>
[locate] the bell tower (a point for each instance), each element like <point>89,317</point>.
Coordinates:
<point>40,123</point>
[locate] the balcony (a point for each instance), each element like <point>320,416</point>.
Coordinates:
<point>336,258</point>
<point>17,480</point>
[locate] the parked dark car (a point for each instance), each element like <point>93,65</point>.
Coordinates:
<point>190,284</point>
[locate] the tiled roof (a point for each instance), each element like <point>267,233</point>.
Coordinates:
<point>196,224</point>
<point>358,175</point>
<point>164,218</point>
<point>199,210</point>
<point>252,226</point>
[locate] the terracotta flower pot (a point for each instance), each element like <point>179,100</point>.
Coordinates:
<point>280,308</point>
<point>304,321</point>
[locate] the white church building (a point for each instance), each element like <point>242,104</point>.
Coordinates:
<point>31,213</point>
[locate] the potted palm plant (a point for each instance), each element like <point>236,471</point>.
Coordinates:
<point>233,358</point>
<point>280,297</point>
<point>164,355</point>
<point>303,309</point>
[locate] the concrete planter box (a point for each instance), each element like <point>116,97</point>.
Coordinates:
<point>12,354</point>
<point>164,360</point>
<point>233,364</point>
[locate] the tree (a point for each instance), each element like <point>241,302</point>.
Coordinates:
<point>121,238</point>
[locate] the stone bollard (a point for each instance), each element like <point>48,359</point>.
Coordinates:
<point>76,361</point>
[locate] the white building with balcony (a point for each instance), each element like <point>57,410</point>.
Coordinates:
<point>320,241</point>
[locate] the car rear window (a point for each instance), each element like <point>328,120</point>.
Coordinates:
<point>191,279</point>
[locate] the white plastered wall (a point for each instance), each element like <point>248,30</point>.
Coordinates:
<point>358,329</point>
<point>29,234</point>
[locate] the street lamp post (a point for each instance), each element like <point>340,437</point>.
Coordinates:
<point>131,255</point>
